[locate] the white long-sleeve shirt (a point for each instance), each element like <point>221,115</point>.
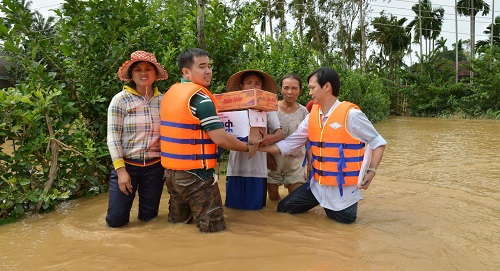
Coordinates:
<point>358,126</point>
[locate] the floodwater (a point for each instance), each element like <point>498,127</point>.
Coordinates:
<point>434,205</point>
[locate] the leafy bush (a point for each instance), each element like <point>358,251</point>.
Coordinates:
<point>367,92</point>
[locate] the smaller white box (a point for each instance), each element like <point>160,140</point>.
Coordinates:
<point>244,124</point>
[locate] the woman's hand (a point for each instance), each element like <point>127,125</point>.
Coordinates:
<point>124,181</point>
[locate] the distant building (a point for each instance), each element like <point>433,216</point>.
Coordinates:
<point>463,69</point>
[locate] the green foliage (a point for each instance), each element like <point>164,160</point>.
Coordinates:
<point>393,38</point>
<point>367,92</point>
<point>33,117</point>
<point>484,99</point>
<point>227,33</point>
<point>280,57</point>
<point>69,76</point>
<point>434,93</point>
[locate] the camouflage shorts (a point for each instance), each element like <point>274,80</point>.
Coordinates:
<point>194,199</point>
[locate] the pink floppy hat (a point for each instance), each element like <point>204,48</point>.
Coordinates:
<point>141,56</point>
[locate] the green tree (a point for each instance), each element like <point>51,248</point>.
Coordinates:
<point>471,8</point>
<point>482,45</point>
<point>298,10</point>
<point>393,38</point>
<point>441,44</point>
<point>280,14</point>
<point>319,25</point>
<point>347,13</point>
<point>484,98</point>
<point>228,34</point>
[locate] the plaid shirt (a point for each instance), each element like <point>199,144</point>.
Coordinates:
<point>133,127</point>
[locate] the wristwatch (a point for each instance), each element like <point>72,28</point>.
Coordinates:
<point>371,169</point>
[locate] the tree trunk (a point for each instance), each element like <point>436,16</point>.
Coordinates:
<point>420,30</point>
<point>270,20</point>
<point>456,42</point>
<point>54,149</point>
<point>472,36</point>
<point>201,24</point>
<point>362,29</point>
<point>342,30</point>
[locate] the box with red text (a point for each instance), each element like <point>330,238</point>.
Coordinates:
<point>249,98</point>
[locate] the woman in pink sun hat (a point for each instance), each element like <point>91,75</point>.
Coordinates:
<point>134,140</point>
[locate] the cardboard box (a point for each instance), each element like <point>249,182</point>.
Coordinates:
<point>249,98</point>
<point>244,124</point>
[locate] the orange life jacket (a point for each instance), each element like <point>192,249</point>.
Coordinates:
<point>336,155</point>
<point>184,144</point>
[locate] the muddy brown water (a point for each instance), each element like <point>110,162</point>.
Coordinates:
<point>434,205</point>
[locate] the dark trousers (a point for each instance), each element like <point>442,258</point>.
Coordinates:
<point>148,181</point>
<point>302,200</point>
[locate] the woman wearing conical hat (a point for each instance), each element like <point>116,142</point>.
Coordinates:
<point>246,186</point>
<point>134,140</point>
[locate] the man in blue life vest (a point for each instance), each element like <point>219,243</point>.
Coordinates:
<point>190,132</point>
<point>338,133</point>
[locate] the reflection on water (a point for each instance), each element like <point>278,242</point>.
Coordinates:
<point>434,205</point>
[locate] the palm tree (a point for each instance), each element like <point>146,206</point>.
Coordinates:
<point>264,11</point>
<point>441,44</point>
<point>427,23</point>
<point>496,35</point>
<point>471,8</point>
<point>42,25</point>
<point>436,23</point>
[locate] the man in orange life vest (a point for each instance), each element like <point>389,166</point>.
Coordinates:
<point>337,132</point>
<point>190,132</point>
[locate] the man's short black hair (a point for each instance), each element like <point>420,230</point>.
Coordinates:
<point>186,58</point>
<point>324,75</point>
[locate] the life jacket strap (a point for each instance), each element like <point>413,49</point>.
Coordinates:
<point>190,141</point>
<point>181,125</point>
<point>340,177</point>
<point>334,174</point>
<point>308,146</point>
<point>336,159</point>
<point>337,145</point>
<point>189,156</point>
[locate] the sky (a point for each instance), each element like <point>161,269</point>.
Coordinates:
<point>399,8</point>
